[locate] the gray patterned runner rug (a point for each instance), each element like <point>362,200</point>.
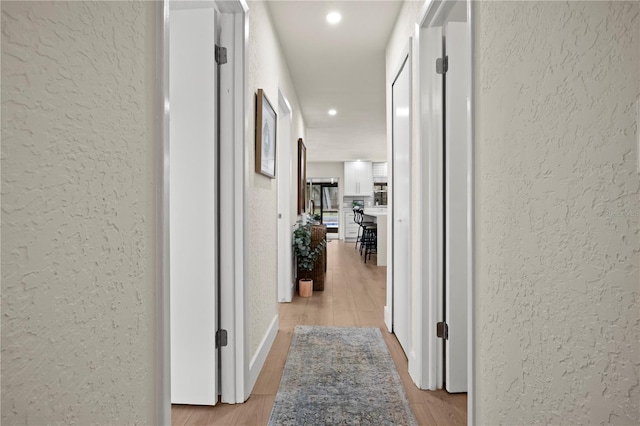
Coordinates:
<point>337,376</point>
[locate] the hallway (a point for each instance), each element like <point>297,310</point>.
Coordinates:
<point>354,295</point>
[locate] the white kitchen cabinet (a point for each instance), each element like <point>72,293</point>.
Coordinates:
<point>379,173</point>
<point>358,178</point>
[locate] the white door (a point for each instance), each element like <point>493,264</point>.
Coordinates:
<point>283,178</point>
<point>193,206</point>
<point>457,207</point>
<point>401,202</point>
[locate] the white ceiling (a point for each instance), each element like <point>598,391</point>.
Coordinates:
<point>338,66</point>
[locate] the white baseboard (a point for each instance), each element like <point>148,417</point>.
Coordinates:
<point>257,362</point>
<point>387,318</point>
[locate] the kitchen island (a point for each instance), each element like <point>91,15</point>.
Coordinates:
<point>379,216</point>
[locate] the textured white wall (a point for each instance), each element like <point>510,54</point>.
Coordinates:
<point>267,71</point>
<point>325,169</point>
<point>78,303</point>
<point>557,285</point>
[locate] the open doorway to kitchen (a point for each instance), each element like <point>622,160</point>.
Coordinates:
<point>324,203</point>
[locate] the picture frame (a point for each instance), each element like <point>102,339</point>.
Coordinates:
<point>266,131</point>
<point>302,176</point>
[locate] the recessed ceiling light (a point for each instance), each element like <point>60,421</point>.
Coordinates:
<point>334,17</point>
<point>332,112</point>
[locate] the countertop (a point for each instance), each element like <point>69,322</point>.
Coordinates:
<point>375,211</point>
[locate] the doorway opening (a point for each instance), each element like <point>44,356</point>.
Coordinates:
<point>324,203</point>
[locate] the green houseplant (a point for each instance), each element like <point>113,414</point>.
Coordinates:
<point>306,256</point>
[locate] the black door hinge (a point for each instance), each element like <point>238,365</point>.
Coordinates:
<point>442,330</point>
<point>221,55</point>
<point>442,65</point>
<point>221,338</point>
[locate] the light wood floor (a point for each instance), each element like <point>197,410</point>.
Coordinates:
<point>354,295</point>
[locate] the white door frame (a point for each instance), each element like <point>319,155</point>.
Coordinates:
<point>435,13</point>
<point>234,158</point>
<point>284,179</point>
<point>163,348</point>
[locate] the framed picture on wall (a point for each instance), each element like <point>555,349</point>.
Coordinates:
<point>302,176</point>
<point>266,120</point>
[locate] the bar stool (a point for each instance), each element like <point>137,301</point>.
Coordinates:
<point>370,241</point>
<point>358,217</point>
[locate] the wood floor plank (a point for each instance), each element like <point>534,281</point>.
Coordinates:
<point>363,299</point>
<point>344,308</point>
<point>255,411</point>
<point>423,415</point>
<point>354,295</point>
<point>370,318</point>
<point>268,381</point>
<point>180,414</point>
<point>446,408</point>
<point>200,415</point>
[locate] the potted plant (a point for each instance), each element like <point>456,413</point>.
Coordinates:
<point>305,256</point>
